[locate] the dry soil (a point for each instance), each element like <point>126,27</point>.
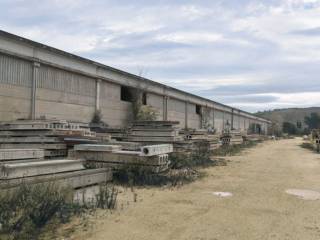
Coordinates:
<point>259,208</point>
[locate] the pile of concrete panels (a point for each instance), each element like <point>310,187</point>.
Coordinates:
<point>236,138</point>
<point>154,131</point>
<point>189,147</point>
<point>200,135</point>
<point>28,166</point>
<point>232,138</point>
<point>52,136</point>
<point>153,158</point>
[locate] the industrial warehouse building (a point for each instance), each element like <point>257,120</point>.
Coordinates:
<point>38,81</point>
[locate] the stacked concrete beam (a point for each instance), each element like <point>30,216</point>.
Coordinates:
<point>97,148</point>
<point>16,154</point>
<point>38,168</point>
<point>154,150</point>
<point>76,179</point>
<point>151,157</point>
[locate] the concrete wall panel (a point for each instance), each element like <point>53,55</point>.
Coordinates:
<point>176,111</point>
<point>194,119</point>
<point>218,121</point>
<point>115,112</point>
<point>156,101</point>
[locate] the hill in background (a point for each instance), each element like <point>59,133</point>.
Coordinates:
<point>292,115</point>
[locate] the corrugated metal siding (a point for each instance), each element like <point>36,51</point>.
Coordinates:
<point>15,71</point>
<point>60,80</point>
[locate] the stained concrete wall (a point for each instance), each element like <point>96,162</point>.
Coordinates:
<point>64,95</point>
<point>194,119</point>
<point>15,88</point>
<point>177,111</point>
<point>218,120</point>
<point>156,102</point>
<point>114,111</point>
<point>37,80</point>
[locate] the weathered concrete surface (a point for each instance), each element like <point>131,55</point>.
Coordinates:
<point>259,208</point>
<point>122,157</point>
<point>67,88</point>
<point>97,148</point>
<point>15,154</point>
<point>20,170</point>
<point>75,179</point>
<point>152,150</point>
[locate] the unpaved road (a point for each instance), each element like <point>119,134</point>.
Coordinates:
<point>259,208</point>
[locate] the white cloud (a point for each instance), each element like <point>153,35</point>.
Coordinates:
<point>190,37</point>
<point>235,45</point>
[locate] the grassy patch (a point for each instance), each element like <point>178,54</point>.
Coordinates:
<point>231,150</point>
<point>136,176</point>
<point>309,146</point>
<point>26,211</point>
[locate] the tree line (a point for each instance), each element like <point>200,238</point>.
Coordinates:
<point>311,122</point>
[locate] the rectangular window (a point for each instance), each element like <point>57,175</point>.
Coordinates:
<point>144,98</point>
<point>126,94</point>
<point>198,109</point>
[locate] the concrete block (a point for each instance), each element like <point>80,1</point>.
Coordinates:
<point>15,154</point>
<point>74,180</point>
<point>97,148</point>
<point>153,150</point>
<point>20,170</point>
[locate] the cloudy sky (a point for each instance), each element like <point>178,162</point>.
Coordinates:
<point>255,55</point>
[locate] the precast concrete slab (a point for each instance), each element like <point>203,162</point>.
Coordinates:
<point>20,170</point>
<point>16,154</point>
<point>120,166</point>
<point>34,145</point>
<point>97,147</point>
<point>122,157</point>
<point>153,150</point>
<point>76,179</point>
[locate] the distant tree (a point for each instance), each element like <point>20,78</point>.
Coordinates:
<point>313,121</point>
<point>290,128</point>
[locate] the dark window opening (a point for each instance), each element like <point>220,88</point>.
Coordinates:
<point>144,98</point>
<point>127,94</point>
<point>198,109</point>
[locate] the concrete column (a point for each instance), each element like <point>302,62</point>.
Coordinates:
<point>213,126</point>
<point>223,123</point>
<point>98,83</point>
<point>232,119</point>
<point>35,76</point>
<point>186,115</point>
<point>165,108</point>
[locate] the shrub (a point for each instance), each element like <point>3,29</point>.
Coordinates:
<point>107,197</point>
<point>26,210</point>
<point>230,150</point>
<point>135,176</point>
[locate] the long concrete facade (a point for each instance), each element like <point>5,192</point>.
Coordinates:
<point>38,81</point>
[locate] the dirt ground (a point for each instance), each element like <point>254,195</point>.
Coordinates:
<point>259,208</point>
